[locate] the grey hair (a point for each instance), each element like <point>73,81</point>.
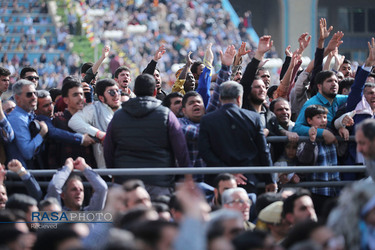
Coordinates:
<point>230,90</point>
<point>215,227</point>
<point>344,218</point>
<point>368,128</point>
<point>42,93</point>
<point>226,197</point>
<point>370,84</point>
<point>17,87</point>
<point>47,202</point>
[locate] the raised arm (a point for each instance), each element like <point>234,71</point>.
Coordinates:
<point>152,65</point>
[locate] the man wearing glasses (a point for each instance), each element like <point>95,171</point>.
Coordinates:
<point>29,73</point>
<point>94,118</point>
<point>238,199</point>
<point>25,146</point>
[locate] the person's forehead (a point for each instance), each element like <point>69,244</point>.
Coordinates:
<point>264,72</point>
<point>111,87</point>
<point>124,72</point>
<point>281,104</point>
<point>27,88</point>
<point>227,183</point>
<point>30,73</point>
<point>177,98</point>
<point>75,183</point>
<point>75,90</point>
<point>240,194</point>
<point>258,82</point>
<point>303,201</point>
<point>194,98</point>
<point>46,99</point>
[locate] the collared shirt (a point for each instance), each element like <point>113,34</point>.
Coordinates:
<point>23,148</point>
<point>302,128</point>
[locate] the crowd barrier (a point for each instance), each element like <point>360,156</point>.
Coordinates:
<point>218,170</point>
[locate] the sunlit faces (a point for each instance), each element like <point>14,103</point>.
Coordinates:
<point>241,203</point>
<point>346,69</point>
<point>199,71</point>
<point>369,94</point>
<point>75,99</point>
<point>224,185</point>
<point>73,195</point>
<point>28,99</point>
<point>303,209</point>
<point>138,197</point>
<point>329,87</point>
<point>189,84</point>
<point>238,76</point>
<point>123,79</point>
<point>112,97</point>
<point>318,121</point>
<point>176,104</point>
<point>8,106</point>
<point>258,92</point>
<point>364,145</point>
<point>194,108</point>
<point>45,106</point>
<point>265,76</point>
<point>33,77</point>
<point>282,112</point>
<point>4,83</point>
<point>157,79</point>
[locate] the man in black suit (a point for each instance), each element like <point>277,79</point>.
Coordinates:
<point>232,136</point>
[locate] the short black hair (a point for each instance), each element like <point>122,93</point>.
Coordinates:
<point>167,100</point>
<point>101,85</point>
<point>323,75</point>
<point>25,70</point>
<point>345,84</point>
<point>68,83</point>
<point>194,67</point>
<point>86,66</point>
<point>188,95</point>
<point>54,93</point>
<point>314,110</point>
<point>271,90</point>
<point>288,205</point>
<point>144,85</point>
<point>20,201</point>
<point>4,72</point>
<point>223,177</point>
<point>346,61</point>
<point>120,69</point>
<point>131,185</point>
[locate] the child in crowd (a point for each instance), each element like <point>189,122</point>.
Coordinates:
<point>317,153</point>
<point>288,158</point>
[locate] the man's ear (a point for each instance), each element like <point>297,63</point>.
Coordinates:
<point>62,196</point>
<point>101,98</point>
<point>309,120</point>
<point>289,218</point>
<point>65,99</point>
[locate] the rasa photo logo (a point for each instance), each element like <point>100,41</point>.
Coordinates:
<point>71,217</point>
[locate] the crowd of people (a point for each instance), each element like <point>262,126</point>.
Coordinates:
<point>209,119</point>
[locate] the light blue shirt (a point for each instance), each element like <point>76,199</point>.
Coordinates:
<point>23,147</point>
<point>302,127</point>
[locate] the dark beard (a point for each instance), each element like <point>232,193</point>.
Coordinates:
<point>255,101</point>
<point>329,95</point>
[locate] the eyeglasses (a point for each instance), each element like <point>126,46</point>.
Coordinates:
<point>240,201</point>
<point>113,92</point>
<point>32,78</point>
<point>30,94</point>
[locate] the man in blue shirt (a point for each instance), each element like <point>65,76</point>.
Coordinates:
<point>327,97</point>
<point>24,147</point>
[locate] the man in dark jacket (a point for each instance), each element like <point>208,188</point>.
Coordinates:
<point>145,134</point>
<point>232,136</point>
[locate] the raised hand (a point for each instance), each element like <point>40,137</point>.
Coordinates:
<point>265,44</point>
<point>335,42</point>
<point>228,56</point>
<point>208,55</point>
<point>14,165</point>
<point>242,50</point>
<point>304,41</point>
<point>80,164</point>
<point>370,61</point>
<point>188,59</point>
<point>69,163</point>
<point>324,32</point>
<point>105,51</point>
<point>159,53</point>
<point>288,52</point>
